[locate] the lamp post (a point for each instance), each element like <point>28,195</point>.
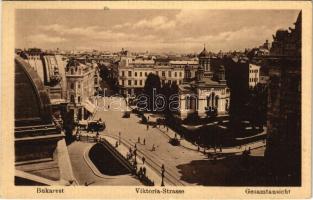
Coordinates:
<point>162,174</point>
<point>119,138</point>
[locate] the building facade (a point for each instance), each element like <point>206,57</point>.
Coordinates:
<point>51,70</point>
<point>207,93</point>
<point>38,139</point>
<point>133,72</point>
<point>254,75</point>
<point>284,106</point>
<point>82,82</point>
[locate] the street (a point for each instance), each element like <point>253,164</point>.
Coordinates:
<point>173,157</point>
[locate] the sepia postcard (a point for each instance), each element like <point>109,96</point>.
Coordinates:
<point>156,100</point>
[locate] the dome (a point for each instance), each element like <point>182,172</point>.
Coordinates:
<point>204,53</point>
<point>32,103</point>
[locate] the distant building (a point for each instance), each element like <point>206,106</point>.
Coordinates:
<point>254,75</point>
<point>283,150</point>
<point>133,72</point>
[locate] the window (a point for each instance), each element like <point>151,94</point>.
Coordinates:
<point>72,99</point>
<point>169,74</point>
<point>146,74</point>
<point>140,74</point>
<point>136,74</point>
<point>129,82</point>
<point>175,74</point>
<point>72,86</point>
<point>123,82</point>
<point>123,73</point>
<point>135,82</point>
<point>188,102</point>
<point>129,73</point>
<point>140,82</point>
<point>72,71</point>
<point>180,74</point>
<point>78,85</point>
<point>78,99</point>
<point>163,73</point>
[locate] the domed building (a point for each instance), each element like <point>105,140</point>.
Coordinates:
<point>207,93</point>
<point>41,156</point>
<point>205,62</point>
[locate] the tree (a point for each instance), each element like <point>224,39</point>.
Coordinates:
<point>257,105</point>
<point>151,88</point>
<point>104,72</point>
<point>170,92</point>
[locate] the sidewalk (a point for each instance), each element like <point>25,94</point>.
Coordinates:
<point>226,150</point>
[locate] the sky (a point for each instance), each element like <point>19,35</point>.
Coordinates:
<point>180,31</point>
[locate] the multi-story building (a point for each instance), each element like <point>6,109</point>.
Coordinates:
<point>51,70</point>
<point>41,154</point>
<point>133,72</point>
<point>284,106</point>
<point>254,75</point>
<point>82,82</point>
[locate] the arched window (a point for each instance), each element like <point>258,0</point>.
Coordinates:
<point>193,102</point>
<point>208,101</point>
<point>187,102</point>
<point>226,105</point>
<point>212,99</point>
<point>216,102</point>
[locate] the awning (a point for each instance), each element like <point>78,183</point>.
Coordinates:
<point>89,106</point>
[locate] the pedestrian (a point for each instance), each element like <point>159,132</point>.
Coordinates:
<point>143,160</point>
<point>144,171</point>
<point>108,107</point>
<point>139,140</point>
<point>116,144</point>
<point>167,129</point>
<point>140,171</point>
<point>144,141</point>
<point>175,135</point>
<point>147,126</point>
<point>135,146</point>
<point>130,150</point>
<point>153,147</point>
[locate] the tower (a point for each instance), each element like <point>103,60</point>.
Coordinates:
<point>204,62</point>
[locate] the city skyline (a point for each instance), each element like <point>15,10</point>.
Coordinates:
<point>156,31</point>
